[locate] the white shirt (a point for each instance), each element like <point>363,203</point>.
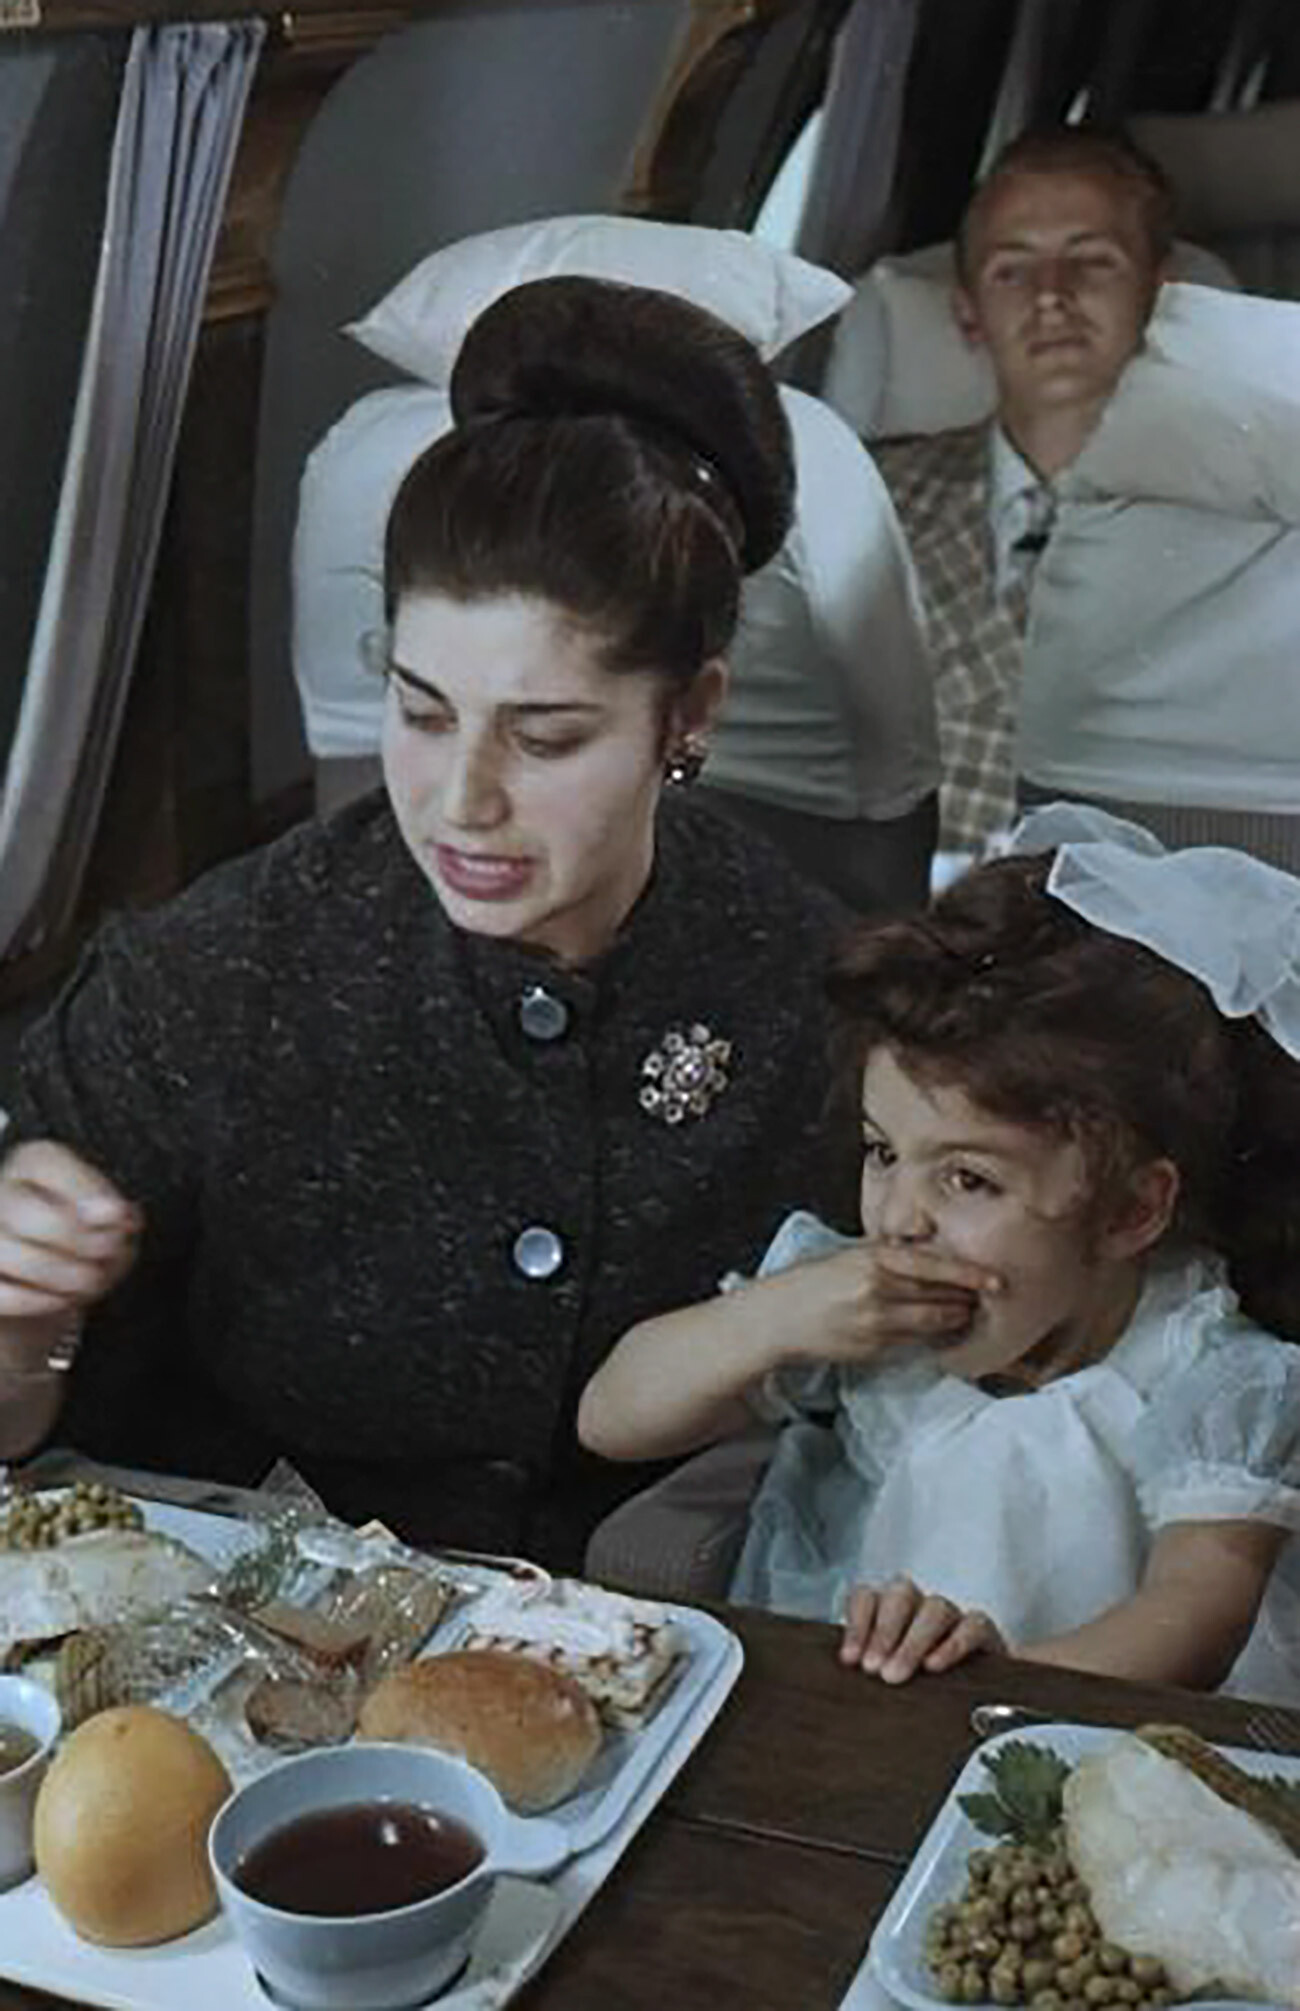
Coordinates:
<point>1166,615</point>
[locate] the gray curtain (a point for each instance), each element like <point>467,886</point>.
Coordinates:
<point>846,214</point>
<point>183,97</point>
<point>1040,27</point>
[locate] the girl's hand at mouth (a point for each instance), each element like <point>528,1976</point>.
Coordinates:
<point>877,1295</point>
<point>894,1630</point>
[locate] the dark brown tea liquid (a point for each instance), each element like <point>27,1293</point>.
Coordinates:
<point>364,1857</point>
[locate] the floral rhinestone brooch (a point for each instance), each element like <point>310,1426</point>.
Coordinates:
<point>683,1075</point>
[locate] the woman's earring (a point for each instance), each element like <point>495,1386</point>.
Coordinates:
<point>685,759</point>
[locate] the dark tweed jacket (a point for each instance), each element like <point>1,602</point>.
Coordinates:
<point>324,1099</point>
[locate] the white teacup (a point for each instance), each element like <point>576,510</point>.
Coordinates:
<point>372,1961</point>
<point>31,1709</point>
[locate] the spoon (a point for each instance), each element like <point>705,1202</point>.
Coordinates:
<point>987,1720</point>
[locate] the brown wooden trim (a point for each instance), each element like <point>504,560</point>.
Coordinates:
<point>709,25</point>
<point>338,36</point>
<point>54,17</point>
<point>711,55</point>
<point>306,55</point>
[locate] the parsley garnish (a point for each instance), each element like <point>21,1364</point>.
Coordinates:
<point>1025,1804</point>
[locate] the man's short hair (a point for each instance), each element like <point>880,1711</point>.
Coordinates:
<point>1082,150</point>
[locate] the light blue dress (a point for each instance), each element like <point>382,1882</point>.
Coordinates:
<point>1040,1509</point>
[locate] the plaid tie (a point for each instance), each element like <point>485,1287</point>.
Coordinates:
<point>1035,514</point>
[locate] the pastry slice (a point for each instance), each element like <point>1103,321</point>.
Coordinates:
<point>626,1653</point>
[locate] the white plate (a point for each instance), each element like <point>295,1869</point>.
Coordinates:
<point>938,1871</point>
<point>207,1971</point>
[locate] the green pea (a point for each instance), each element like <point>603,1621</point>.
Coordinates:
<point>1146,1970</point>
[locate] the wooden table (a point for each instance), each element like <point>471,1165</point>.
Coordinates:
<point>755,1885</point>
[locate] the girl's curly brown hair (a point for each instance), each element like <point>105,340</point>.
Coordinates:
<point>1042,1019</point>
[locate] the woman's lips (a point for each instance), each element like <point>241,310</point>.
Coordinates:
<point>482,876</point>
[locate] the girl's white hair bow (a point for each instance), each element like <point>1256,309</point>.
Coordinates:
<point>1228,920</point>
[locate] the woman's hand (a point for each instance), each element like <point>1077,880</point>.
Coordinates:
<point>893,1630</point>
<point>847,1307</point>
<point>66,1234</point>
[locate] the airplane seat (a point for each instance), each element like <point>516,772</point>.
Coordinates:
<point>1234,177</point>
<point>681,1537</point>
<point>347,489</point>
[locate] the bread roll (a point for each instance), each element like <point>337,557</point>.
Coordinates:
<point>532,1731</point>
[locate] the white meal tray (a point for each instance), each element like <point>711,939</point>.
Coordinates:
<point>207,1971</point>
<point>893,1976</point>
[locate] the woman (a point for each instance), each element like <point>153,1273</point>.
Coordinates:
<point>366,1149</point>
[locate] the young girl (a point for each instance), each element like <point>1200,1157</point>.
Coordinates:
<point>1036,1406</point>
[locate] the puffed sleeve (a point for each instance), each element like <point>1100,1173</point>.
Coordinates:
<point>792,1393</point>
<point>1221,1441</point>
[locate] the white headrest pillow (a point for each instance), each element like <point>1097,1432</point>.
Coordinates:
<point>769,295</point>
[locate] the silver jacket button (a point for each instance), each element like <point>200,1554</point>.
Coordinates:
<point>537,1253</point>
<point>541,1015</point>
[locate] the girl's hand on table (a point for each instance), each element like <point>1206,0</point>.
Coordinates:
<point>66,1235</point>
<point>878,1295</point>
<point>894,1630</point>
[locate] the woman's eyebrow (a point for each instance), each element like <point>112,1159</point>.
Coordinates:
<point>530,706</point>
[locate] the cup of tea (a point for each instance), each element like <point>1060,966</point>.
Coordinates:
<point>30,1723</point>
<point>355,1877</point>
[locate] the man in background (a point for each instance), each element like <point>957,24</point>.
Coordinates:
<point>1060,257</point>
